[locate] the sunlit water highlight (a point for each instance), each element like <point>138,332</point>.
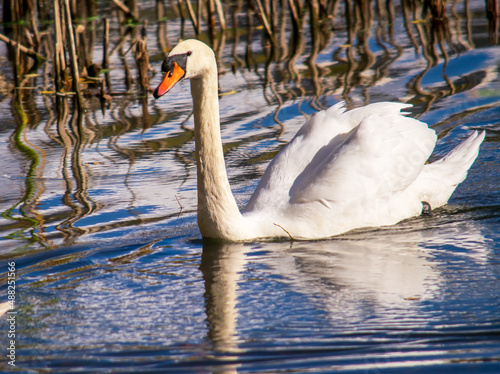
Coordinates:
<point>112,274</point>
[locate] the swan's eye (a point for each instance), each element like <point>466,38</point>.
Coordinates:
<point>189,53</point>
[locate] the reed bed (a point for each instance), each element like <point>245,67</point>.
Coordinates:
<point>64,34</point>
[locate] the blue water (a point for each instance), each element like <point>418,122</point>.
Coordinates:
<point>112,274</point>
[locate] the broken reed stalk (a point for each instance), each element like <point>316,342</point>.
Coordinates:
<point>492,9</point>
<point>125,9</point>
<point>74,60</point>
<point>191,15</point>
<point>163,43</point>
<point>22,48</point>
<point>199,15</point>
<point>261,14</point>
<point>211,19</point>
<point>142,59</point>
<point>59,60</point>
<point>437,8</point>
<point>220,13</point>
<point>294,11</point>
<point>105,53</point>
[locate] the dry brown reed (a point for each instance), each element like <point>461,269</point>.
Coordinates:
<point>69,35</point>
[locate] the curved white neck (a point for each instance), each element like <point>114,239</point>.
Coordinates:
<point>218,214</point>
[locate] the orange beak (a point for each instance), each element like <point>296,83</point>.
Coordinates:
<point>169,80</point>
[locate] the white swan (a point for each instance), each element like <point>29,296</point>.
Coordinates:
<point>343,170</point>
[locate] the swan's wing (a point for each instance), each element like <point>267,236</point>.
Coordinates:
<point>378,158</point>
<point>318,139</point>
<point>281,173</point>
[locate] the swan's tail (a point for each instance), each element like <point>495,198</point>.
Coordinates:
<point>438,180</point>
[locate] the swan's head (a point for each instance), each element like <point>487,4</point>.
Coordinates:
<point>188,59</point>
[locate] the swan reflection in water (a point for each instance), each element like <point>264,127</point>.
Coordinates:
<point>391,271</point>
